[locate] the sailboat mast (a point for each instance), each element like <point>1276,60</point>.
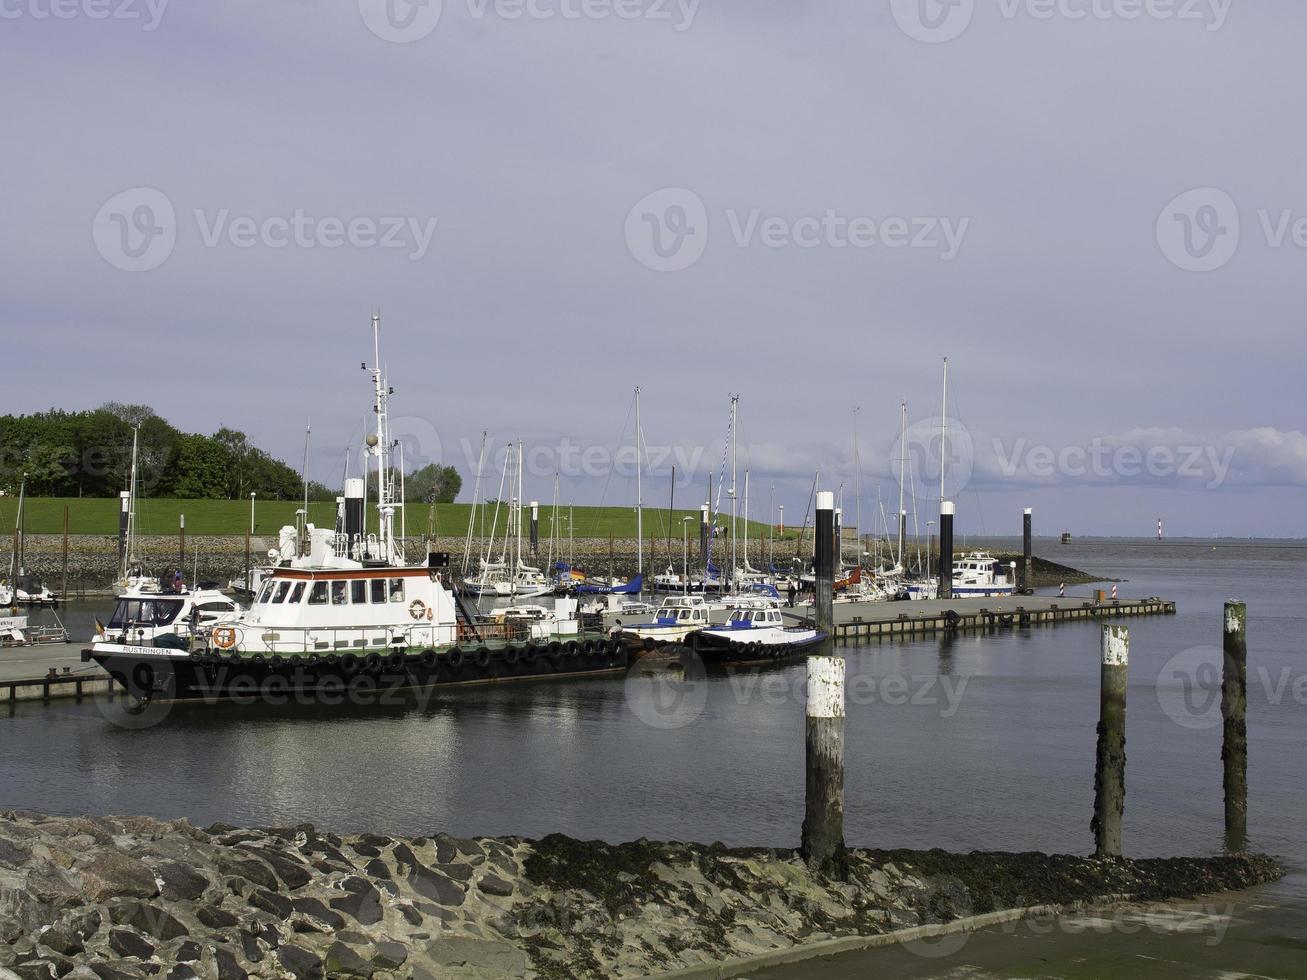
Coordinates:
<point>381,449</point>
<point>746,518</point>
<point>517,564</point>
<point>857,486</point>
<point>903,465</point>
<point>639,490</point>
<point>943,435</point>
<point>476,497</point>
<point>735,400</point>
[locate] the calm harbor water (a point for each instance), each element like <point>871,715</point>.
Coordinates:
<point>971,742</point>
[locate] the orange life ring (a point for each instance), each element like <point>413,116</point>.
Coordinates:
<point>417,609</point>
<point>224,637</point>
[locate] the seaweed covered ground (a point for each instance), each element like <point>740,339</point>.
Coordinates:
<point>121,898</point>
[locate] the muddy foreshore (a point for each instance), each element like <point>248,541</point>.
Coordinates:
<point>132,897</point>
<point>93,559</point>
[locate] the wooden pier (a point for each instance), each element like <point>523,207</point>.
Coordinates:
<point>857,621</point>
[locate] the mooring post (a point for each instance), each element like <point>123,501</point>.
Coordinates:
<point>1027,558</point>
<point>1109,767</point>
<point>1234,712</point>
<point>946,549</point>
<point>823,611</point>
<point>181,543</point>
<point>823,821</point>
<point>703,533</point>
<point>535,527</point>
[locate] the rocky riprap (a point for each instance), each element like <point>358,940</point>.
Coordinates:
<point>133,897</point>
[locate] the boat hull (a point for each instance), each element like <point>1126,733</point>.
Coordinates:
<point>719,647</point>
<point>163,675</point>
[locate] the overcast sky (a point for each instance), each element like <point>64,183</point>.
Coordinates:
<point>808,203</point>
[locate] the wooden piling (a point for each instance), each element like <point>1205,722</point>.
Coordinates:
<point>823,822</point>
<point>1234,712</point>
<point>1109,767</point>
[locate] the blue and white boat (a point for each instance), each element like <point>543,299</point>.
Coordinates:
<point>977,576</point>
<point>753,634</point>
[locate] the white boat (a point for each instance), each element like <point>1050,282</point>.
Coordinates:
<point>535,622</point>
<point>347,612</point>
<point>977,575</point>
<point>509,577</point>
<point>28,590</point>
<point>754,634</point>
<point>152,617</point>
<point>673,621</point>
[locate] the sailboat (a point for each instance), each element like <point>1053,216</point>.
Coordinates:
<point>21,588</point>
<point>510,577</point>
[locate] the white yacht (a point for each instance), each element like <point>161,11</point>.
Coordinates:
<point>754,634</point>
<point>979,574</point>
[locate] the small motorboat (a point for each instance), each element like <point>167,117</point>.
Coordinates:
<point>754,635</point>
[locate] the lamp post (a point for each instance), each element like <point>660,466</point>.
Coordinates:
<point>252,513</point>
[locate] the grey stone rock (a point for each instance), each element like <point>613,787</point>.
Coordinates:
<point>63,940</point>
<point>182,972</point>
<point>366,850</point>
<point>461,845</point>
<point>227,966</point>
<point>85,923</point>
<point>124,942</point>
<point>149,919</point>
<point>377,868</point>
<point>341,961</point>
<point>389,955</point>
<point>436,886</point>
<point>250,946</point>
<point>459,872</point>
<point>113,875</point>
<point>180,883</point>
<point>13,855</point>
<point>315,914</point>
<point>403,855</point>
<point>215,917</point>
<point>411,915</point>
<point>494,885</point>
<point>278,905</point>
<point>353,937</point>
<point>34,970</point>
<point>361,901</point>
<point>249,869</point>
<point>112,971</point>
<point>302,964</point>
<point>269,933</point>
<point>187,951</point>
<point>292,872</point>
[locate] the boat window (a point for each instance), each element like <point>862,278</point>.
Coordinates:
<point>318,594</point>
<point>358,591</point>
<point>265,592</point>
<point>282,589</point>
<point>297,593</point>
<point>339,593</point>
<point>144,612</point>
<point>378,590</point>
<point>396,590</point>
<point>214,607</point>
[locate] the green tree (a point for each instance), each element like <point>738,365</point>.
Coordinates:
<point>433,484</point>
